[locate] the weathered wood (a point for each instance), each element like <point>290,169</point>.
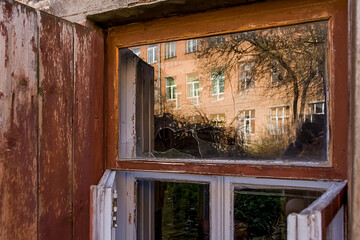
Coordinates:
<point>18,121</point>
<point>230,20</point>
<point>88,122</point>
<point>55,128</point>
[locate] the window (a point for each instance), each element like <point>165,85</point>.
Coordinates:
<point>316,112</point>
<point>170,50</point>
<point>247,124</point>
<point>276,72</point>
<point>170,88</point>
<point>191,45</point>
<point>136,51</point>
<point>217,85</point>
<point>192,84</point>
<point>145,205</point>
<point>218,120</point>
<point>215,41</point>
<point>202,144</point>
<point>279,120</point>
<point>152,54</point>
<point>207,144</point>
<point>245,80</point>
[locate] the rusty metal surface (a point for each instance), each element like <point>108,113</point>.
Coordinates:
<point>55,128</point>
<point>18,125</point>
<point>88,122</point>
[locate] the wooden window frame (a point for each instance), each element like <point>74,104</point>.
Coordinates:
<point>242,18</point>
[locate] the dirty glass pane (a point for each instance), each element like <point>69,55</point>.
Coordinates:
<point>257,95</point>
<point>262,213</point>
<point>174,210</point>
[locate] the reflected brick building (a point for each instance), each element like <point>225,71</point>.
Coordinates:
<point>254,105</point>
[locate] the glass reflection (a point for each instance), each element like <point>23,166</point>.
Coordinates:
<point>262,213</point>
<point>172,210</point>
<point>251,95</point>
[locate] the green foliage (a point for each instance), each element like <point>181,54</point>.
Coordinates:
<point>183,211</point>
<point>259,217</point>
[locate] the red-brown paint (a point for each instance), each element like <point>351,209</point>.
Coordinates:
<point>88,123</point>
<point>18,123</point>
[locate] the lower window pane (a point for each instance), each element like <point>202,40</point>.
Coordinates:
<point>172,210</point>
<point>262,213</point>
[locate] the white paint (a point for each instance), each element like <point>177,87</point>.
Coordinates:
<point>102,207</point>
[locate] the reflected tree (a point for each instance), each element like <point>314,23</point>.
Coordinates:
<point>293,57</point>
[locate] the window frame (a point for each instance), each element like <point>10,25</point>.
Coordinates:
<point>173,93</point>
<point>215,77</point>
<point>153,48</point>
<point>193,93</point>
<point>191,47</point>
<point>170,50</point>
<point>254,16</point>
<point>277,118</point>
<point>119,188</point>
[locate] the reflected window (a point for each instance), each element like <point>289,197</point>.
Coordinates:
<point>192,85</point>
<point>262,213</point>
<point>218,120</point>
<point>170,50</point>
<point>170,88</point>
<point>247,124</point>
<point>316,113</point>
<point>276,72</point>
<point>245,76</point>
<point>152,54</point>
<point>217,85</point>
<point>279,120</point>
<point>191,45</point>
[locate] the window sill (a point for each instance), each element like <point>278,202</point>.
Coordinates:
<point>250,168</point>
<point>168,58</point>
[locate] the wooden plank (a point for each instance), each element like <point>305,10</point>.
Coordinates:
<point>55,128</point>
<point>88,122</point>
<point>18,121</point>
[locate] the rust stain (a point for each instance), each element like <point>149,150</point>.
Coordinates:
<point>33,44</point>
<point>129,218</point>
<point>4,33</point>
<point>2,95</point>
<point>24,82</point>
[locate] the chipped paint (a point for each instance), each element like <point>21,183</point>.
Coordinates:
<point>37,115</point>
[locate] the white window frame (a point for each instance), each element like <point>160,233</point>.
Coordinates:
<point>279,127</point>
<point>244,74</point>
<point>194,93</point>
<point>170,50</point>
<point>215,88</point>
<point>192,45</point>
<point>244,120</point>
<point>152,54</point>
<point>173,95</point>
<point>308,224</point>
<point>313,111</point>
<point>218,120</point>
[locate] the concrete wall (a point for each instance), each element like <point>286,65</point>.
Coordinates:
<point>76,11</point>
